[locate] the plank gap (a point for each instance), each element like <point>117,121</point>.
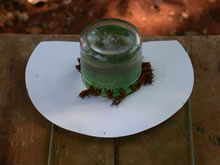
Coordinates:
<point>50,144</point>
<point>116,150</point>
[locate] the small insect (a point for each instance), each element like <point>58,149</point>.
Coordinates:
<point>122,92</point>
<point>109,94</point>
<point>97,92</point>
<point>78,67</point>
<point>133,87</point>
<point>148,78</point>
<point>143,75</point>
<point>141,80</point>
<point>146,64</point>
<point>117,100</point>
<point>78,59</point>
<point>91,90</point>
<point>138,86</point>
<point>84,93</point>
<point>145,69</point>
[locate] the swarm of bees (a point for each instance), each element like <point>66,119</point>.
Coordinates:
<point>146,77</point>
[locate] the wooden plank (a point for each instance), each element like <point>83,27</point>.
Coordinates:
<point>72,148</point>
<point>205,100</point>
<point>24,133</point>
<point>168,143</point>
<point>165,144</point>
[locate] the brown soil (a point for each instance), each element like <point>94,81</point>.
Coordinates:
<point>173,17</point>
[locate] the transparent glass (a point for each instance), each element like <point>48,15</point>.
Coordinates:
<point>110,55</point>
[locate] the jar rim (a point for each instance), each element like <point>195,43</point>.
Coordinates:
<point>108,21</point>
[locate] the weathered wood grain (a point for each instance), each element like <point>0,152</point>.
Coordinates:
<point>24,133</point>
<point>205,100</point>
<point>167,143</point>
<point>72,148</point>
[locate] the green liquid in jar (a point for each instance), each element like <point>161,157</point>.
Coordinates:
<point>112,58</point>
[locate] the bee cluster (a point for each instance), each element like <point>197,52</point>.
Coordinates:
<point>146,77</point>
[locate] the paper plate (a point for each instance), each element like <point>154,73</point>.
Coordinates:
<point>54,84</point>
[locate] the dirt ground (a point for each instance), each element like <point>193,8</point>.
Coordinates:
<point>173,17</point>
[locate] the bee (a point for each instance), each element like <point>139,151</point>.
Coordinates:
<point>146,67</point>
<point>134,88</point>
<point>148,78</point>
<point>84,93</point>
<point>146,64</point>
<point>97,92</point>
<point>109,94</point>
<point>141,80</point>
<point>78,67</point>
<point>91,89</point>
<point>138,85</point>
<point>122,93</point>
<point>117,100</point>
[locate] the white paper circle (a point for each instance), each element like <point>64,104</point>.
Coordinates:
<point>54,84</point>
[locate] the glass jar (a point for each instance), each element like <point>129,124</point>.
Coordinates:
<point>110,55</point>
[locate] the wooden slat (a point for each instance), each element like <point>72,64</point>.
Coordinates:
<point>165,144</point>
<point>24,133</point>
<point>72,148</point>
<point>205,100</point>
